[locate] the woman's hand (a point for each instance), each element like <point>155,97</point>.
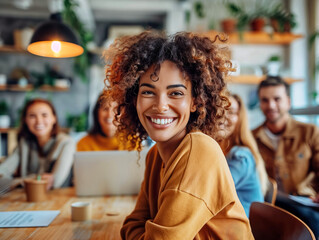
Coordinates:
<point>50,179</point>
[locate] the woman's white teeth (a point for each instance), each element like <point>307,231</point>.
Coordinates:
<point>109,120</point>
<point>162,121</point>
<point>39,127</point>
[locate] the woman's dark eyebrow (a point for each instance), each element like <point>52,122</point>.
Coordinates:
<point>147,85</point>
<point>176,86</point>
<point>168,87</point>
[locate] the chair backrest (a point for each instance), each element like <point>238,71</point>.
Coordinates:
<point>271,193</point>
<point>269,222</point>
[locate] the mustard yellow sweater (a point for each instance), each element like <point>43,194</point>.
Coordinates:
<point>193,197</point>
<point>99,143</point>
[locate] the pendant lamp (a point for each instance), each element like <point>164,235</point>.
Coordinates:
<point>55,39</point>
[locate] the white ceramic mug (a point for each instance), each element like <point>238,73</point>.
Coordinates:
<point>62,83</point>
<point>81,211</point>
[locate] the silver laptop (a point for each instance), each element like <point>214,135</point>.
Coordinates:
<point>100,173</point>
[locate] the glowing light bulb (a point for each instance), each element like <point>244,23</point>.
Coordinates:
<point>56,46</point>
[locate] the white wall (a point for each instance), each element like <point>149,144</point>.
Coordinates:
<point>299,56</point>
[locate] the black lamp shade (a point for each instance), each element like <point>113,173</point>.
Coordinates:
<point>54,39</point>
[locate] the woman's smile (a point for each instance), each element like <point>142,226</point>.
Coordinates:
<point>164,106</point>
<point>40,120</point>
<point>161,121</point>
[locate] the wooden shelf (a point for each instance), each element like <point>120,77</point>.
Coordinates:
<point>48,88</point>
<point>258,37</point>
<point>6,130</point>
<point>29,87</point>
<point>16,88</point>
<point>12,49</point>
<point>252,79</point>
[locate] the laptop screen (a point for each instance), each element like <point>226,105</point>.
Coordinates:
<point>100,173</point>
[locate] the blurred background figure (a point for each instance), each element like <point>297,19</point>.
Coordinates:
<point>290,150</point>
<point>42,148</point>
<point>244,160</point>
<point>102,134</point>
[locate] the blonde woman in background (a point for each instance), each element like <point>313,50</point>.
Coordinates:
<point>243,157</point>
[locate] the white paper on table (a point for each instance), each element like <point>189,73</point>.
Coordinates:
<point>306,201</point>
<point>27,218</point>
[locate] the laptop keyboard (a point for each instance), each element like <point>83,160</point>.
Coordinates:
<point>5,185</point>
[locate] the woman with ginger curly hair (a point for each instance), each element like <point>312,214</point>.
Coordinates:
<point>171,89</point>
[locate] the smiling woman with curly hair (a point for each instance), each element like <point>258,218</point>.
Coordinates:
<point>172,89</point>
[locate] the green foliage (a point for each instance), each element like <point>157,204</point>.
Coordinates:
<point>199,9</point>
<point>313,96</point>
<point>4,108</point>
<point>45,78</point>
<point>77,122</point>
<point>187,16</point>
<point>82,62</point>
<point>283,17</point>
<point>274,58</point>
<point>48,77</point>
<point>240,14</point>
<point>312,40</point>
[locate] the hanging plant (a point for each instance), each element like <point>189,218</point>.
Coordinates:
<point>315,71</point>
<point>82,62</point>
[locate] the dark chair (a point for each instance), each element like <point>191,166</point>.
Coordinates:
<point>269,222</point>
<point>271,193</point>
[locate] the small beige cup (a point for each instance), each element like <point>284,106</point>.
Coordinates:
<point>81,211</point>
<point>36,190</point>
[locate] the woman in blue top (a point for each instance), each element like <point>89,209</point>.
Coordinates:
<point>243,157</point>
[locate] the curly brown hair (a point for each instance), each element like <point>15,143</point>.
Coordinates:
<point>201,59</point>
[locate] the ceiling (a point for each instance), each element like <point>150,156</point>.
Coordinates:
<point>91,11</point>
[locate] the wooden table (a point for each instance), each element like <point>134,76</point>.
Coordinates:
<point>108,214</point>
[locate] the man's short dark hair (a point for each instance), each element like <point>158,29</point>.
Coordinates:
<point>273,81</point>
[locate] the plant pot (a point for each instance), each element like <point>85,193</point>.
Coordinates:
<point>280,26</point>
<point>228,25</point>
<point>257,24</point>
<point>4,121</point>
<point>273,68</point>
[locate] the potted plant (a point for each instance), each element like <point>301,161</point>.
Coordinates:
<point>281,20</point>
<point>242,18</point>
<point>257,19</point>
<point>4,115</point>
<point>273,65</point>
<point>228,25</point>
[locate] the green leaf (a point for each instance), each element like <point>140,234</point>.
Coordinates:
<point>313,37</point>
<point>4,108</point>
<point>82,62</point>
<point>199,9</point>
